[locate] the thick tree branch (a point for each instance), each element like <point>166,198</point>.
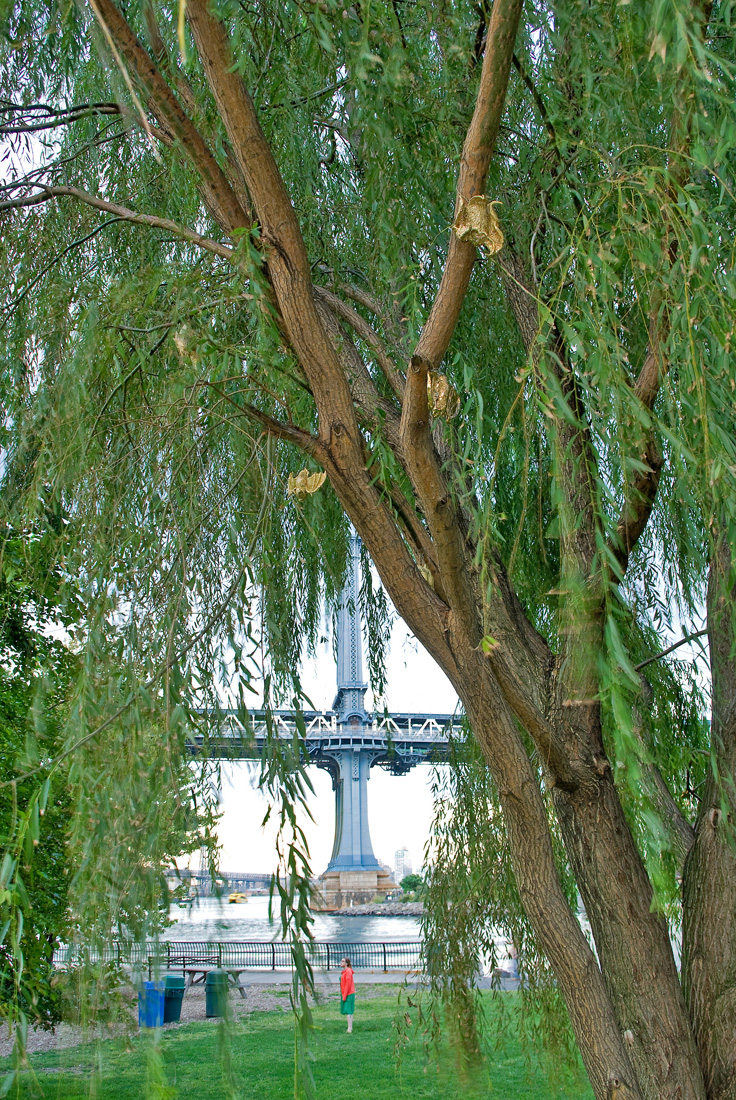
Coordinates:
<point>638,506</point>
<point>377,412</point>
<point>520,297</point>
<point>709,925</point>
<point>476,158</point>
<point>124,214</point>
<point>363,298</point>
<point>639,501</point>
<point>416,533</point>
<point>289,432</point>
<point>576,455</point>
<point>290,276</point>
<point>433,494</point>
<point>538,101</point>
<point>187,97</point>
<point>443,518</point>
<point>363,330</point>
<point>681,832</point>
<point>216,190</point>
<point>288,267</point>
<point>580,979</point>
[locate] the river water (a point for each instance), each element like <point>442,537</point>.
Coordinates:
<point>215,920</point>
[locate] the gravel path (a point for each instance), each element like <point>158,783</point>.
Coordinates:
<point>258,998</point>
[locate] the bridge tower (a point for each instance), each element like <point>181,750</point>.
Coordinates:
<point>347,742</point>
<point>353,873</point>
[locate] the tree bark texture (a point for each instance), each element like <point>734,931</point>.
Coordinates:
<point>709,932</point>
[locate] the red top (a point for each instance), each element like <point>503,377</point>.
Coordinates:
<point>347,985</point>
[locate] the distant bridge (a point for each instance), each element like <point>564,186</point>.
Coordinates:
<point>347,742</point>
<point>200,882</point>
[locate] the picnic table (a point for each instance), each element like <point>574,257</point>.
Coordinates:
<point>203,969</point>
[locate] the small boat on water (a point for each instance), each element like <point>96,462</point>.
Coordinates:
<point>236,898</point>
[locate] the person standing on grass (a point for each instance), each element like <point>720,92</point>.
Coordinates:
<point>347,992</point>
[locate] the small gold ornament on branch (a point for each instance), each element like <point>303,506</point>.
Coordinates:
<point>476,223</point>
<point>442,396</point>
<point>304,484</point>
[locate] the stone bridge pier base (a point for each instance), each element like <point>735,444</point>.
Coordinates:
<point>353,875</point>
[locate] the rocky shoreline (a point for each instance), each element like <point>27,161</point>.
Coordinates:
<point>382,909</point>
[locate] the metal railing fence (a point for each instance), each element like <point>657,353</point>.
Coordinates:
<point>248,955</point>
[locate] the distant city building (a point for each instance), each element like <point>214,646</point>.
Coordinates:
<point>402,863</point>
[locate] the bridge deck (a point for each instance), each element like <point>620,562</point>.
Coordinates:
<point>417,736</point>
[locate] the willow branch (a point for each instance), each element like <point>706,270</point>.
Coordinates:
<point>375,412</point>
<point>54,117</point>
<point>476,158</point>
<point>675,645</point>
<point>216,190</point>
<point>124,214</point>
<point>187,97</point>
<point>520,296</point>
<point>639,503</point>
<point>369,302</point>
<point>302,439</point>
<point>444,520</point>
<point>288,266</point>
<point>56,260</point>
<point>289,273</point>
<point>638,506</point>
<point>432,491</point>
<point>538,101</point>
<point>682,833</point>
<point>418,536</point>
<point>361,328</point>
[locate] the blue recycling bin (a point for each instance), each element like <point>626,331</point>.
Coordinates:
<point>151,1004</point>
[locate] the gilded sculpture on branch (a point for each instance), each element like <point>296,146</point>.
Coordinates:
<point>476,222</point>
<point>304,484</point>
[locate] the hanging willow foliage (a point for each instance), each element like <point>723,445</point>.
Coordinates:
<point>230,257</point>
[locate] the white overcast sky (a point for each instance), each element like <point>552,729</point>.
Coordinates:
<point>399,807</point>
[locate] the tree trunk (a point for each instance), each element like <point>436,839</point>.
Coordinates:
<point>709,930</point>
<point>602,1046</point>
<point>632,941</point>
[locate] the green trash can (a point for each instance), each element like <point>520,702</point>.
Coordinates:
<point>173,997</point>
<point>215,989</point>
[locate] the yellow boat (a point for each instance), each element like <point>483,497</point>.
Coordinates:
<point>236,898</point>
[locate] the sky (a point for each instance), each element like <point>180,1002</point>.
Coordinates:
<point>399,807</point>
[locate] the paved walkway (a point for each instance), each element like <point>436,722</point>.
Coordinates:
<point>503,980</point>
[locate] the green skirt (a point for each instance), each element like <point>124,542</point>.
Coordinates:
<point>347,1007</point>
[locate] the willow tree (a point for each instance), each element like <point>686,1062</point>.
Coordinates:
<point>472,262</point>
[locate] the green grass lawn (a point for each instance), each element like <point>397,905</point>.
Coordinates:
<point>346,1067</point>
